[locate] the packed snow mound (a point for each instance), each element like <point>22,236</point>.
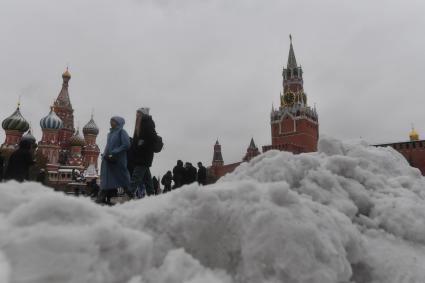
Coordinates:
<point>348,213</point>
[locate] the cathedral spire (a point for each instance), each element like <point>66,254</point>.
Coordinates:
<point>63,97</point>
<point>292,62</point>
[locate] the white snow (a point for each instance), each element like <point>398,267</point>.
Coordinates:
<point>348,213</point>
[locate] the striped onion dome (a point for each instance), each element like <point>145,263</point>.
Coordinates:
<point>77,139</point>
<point>91,128</point>
<point>51,121</point>
<point>16,122</point>
<point>29,137</point>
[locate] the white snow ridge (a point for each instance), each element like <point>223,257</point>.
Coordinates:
<point>348,213</point>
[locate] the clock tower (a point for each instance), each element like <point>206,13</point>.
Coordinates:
<point>294,125</point>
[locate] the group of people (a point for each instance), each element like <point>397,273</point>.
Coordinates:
<point>19,163</point>
<point>126,161</point>
<point>125,164</point>
<point>184,175</point>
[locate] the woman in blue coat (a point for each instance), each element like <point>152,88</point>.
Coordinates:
<point>114,173</point>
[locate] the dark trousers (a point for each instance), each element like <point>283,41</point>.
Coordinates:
<point>142,176</point>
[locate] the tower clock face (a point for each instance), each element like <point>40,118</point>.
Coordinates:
<point>289,98</point>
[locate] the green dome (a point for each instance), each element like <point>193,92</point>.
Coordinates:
<point>15,122</point>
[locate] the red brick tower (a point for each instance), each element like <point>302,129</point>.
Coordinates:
<point>15,126</point>
<point>294,126</point>
<point>91,151</point>
<point>251,152</point>
<point>49,145</point>
<point>217,157</point>
<point>63,109</point>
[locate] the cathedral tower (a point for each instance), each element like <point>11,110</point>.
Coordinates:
<point>91,150</point>
<point>63,109</point>
<point>49,145</point>
<point>76,143</point>
<point>15,126</point>
<point>294,126</point>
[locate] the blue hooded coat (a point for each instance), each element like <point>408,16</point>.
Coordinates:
<point>115,175</point>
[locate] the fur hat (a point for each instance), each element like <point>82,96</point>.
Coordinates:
<point>144,110</point>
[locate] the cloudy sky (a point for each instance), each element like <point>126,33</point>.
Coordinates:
<point>212,68</point>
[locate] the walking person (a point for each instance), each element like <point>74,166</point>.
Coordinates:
<point>20,162</point>
<point>202,174</point>
<point>166,181</point>
<point>156,186</point>
<point>178,175</point>
<point>114,172</point>
<point>142,152</point>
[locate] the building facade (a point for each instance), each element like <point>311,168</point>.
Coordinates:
<point>294,125</point>
<point>62,146</point>
<point>413,150</point>
<point>219,169</point>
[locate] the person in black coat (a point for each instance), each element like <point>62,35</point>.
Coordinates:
<point>41,177</point>
<point>190,173</point>
<point>142,151</point>
<point>1,167</point>
<point>202,174</point>
<point>20,162</point>
<point>156,185</point>
<point>178,175</point>
<point>166,181</point>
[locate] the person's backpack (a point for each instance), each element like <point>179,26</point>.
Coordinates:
<point>157,144</point>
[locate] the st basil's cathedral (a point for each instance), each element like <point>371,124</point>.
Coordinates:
<point>64,148</point>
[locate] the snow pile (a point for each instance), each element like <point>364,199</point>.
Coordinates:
<point>349,213</point>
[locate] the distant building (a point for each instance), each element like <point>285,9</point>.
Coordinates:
<point>294,125</point>
<point>219,169</point>
<point>64,148</point>
<point>413,150</point>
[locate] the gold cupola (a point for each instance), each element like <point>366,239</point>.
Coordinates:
<point>413,135</point>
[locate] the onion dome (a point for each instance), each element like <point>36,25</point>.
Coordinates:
<point>413,135</point>
<point>66,74</point>
<point>77,139</point>
<point>51,121</point>
<point>29,137</point>
<point>15,122</point>
<point>91,128</point>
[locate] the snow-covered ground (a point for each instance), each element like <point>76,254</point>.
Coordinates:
<point>349,213</point>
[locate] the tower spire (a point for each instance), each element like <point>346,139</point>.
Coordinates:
<point>292,62</point>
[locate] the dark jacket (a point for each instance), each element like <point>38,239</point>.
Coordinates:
<point>202,175</point>
<point>19,163</point>
<point>141,152</point>
<point>178,176</point>
<point>190,174</point>
<point>1,167</point>
<point>166,181</point>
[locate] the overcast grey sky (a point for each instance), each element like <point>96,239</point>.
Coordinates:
<point>212,68</point>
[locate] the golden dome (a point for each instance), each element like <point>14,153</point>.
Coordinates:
<point>413,135</point>
<point>66,74</point>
